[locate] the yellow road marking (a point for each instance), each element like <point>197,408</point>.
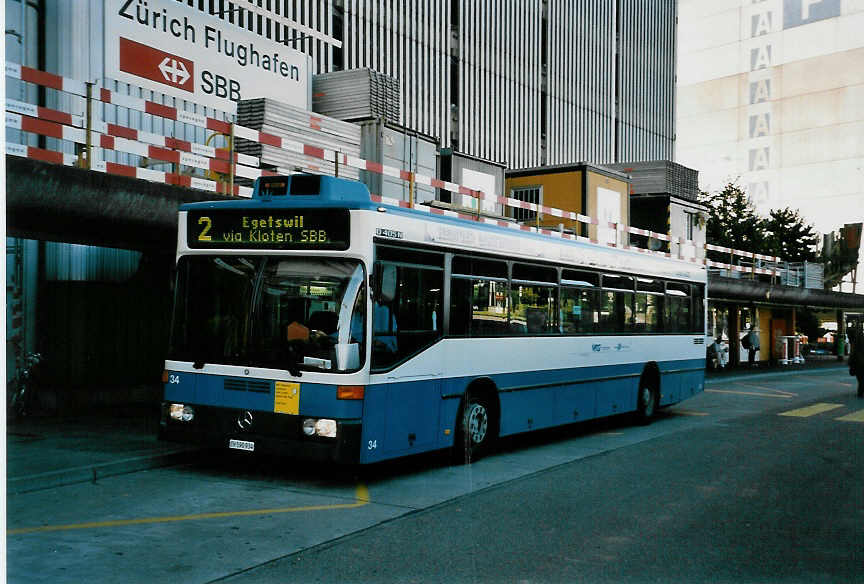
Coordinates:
<point>361,497</point>
<point>811,410</point>
<point>853,417</point>
<point>688,413</point>
<point>781,395</point>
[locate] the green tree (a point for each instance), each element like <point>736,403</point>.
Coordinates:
<point>732,222</point>
<point>789,237</point>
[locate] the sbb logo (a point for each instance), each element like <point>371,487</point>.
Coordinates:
<point>215,84</point>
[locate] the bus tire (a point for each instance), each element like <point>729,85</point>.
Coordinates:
<point>646,406</point>
<point>476,429</point>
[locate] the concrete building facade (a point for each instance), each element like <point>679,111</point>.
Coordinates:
<point>771,96</point>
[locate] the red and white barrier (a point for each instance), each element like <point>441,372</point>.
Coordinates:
<point>64,126</point>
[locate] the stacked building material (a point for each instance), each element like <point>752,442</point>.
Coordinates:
<point>356,94</point>
<point>298,125</point>
<point>661,177</point>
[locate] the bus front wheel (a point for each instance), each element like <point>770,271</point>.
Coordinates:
<point>476,430</point>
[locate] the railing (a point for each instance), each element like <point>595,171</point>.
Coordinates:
<point>90,133</point>
<point>793,274</point>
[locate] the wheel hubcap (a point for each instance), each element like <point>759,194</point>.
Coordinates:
<point>478,422</point>
<point>648,401</point>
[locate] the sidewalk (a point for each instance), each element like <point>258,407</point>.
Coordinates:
<point>827,362</point>
<point>45,452</point>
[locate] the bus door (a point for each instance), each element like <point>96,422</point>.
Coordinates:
<point>403,397</point>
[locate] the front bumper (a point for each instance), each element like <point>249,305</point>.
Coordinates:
<point>272,433</point>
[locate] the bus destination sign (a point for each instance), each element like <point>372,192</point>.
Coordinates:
<point>283,229</point>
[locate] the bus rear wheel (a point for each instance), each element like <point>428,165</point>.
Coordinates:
<point>476,430</point>
<point>647,402</point>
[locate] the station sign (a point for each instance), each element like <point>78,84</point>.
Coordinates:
<point>169,47</point>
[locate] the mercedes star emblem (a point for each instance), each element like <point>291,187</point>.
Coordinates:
<point>244,420</point>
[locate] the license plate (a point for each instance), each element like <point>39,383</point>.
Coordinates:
<point>241,445</point>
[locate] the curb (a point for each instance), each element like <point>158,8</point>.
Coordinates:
<point>775,373</point>
<point>91,473</point>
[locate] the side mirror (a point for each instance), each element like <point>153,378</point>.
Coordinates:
<point>387,288</point>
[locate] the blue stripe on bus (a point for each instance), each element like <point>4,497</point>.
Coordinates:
<point>412,417</point>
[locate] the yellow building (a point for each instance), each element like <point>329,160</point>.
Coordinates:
<point>582,188</point>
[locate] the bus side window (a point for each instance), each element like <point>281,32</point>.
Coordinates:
<point>579,310</point>
<point>478,297</point>
<point>460,306</point>
<point>648,312</point>
<point>616,309</point>
<point>412,320</point>
<point>677,308</point>
<point>698,295</point>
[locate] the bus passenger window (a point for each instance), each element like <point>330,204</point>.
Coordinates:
<point>534,310</point>
<point>648,312</point>
<point>412,321</point>
<point>579,310</point>
<point>460,306</point>
<point>698,291</point>
<point>488,308</point>
<point>478,297</point>
<point>677,309</point>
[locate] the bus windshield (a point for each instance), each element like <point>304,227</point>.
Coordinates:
<point>268,311</point>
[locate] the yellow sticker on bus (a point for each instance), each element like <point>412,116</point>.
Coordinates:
<point>286,398</point>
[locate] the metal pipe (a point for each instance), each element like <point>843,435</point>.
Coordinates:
<point>89,146</point>
<point>231,162</point>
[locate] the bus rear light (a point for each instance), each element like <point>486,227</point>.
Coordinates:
<point>350,391</point>
<point>165,376</point>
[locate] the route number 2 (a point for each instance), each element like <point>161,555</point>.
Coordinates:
<point>207,223</point>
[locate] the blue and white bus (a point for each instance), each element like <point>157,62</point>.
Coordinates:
<point>314,321</point>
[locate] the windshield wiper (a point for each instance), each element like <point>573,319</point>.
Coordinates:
<point>294,359</point>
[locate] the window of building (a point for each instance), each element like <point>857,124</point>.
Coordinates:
<point>528,195</point>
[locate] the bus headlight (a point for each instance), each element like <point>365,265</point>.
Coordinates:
<point>181,412</point>
<point>324,427</point>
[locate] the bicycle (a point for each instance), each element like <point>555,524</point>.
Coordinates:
<point>19,393</point>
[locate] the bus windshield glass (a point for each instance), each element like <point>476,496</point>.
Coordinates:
<point>266,311</point>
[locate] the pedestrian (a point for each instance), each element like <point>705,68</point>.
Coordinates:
<point>751,343</point>
<point>856,357</point>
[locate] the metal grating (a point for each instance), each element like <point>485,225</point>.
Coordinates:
<point>252,385</point>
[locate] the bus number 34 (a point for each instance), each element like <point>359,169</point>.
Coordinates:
<point>372,445</point>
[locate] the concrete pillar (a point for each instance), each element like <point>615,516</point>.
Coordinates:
<point>734,341</point>
<point>841,335</point>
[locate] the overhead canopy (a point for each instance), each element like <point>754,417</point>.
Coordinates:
<point>60,203</point>
<point>720,288</point>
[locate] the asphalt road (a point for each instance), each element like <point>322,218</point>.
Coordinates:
<point>726,487</point>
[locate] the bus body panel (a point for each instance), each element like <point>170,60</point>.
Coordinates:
<point>400,419</point>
